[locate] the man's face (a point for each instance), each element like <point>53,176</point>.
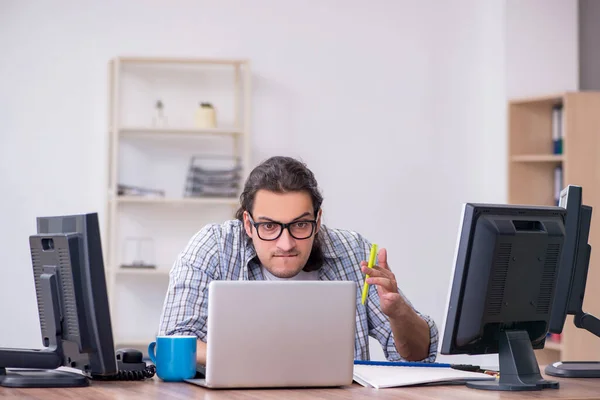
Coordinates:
<point>285,256</point>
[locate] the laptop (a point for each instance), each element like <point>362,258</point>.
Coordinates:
<point>280,334</point>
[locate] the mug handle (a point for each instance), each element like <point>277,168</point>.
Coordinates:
<point>151,352</point>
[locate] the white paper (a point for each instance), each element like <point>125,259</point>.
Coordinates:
<point>377,376</point>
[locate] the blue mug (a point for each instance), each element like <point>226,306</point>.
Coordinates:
<point>175,357</point>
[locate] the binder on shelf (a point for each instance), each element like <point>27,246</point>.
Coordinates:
<point>557,128</point>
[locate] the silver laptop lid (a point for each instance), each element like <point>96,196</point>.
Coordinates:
<point>280,333</point>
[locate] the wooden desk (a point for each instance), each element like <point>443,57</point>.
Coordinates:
<point>155,389</point>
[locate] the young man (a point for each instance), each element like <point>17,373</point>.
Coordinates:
<point>278,235</point>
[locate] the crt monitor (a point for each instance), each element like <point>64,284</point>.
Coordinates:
<point>73,308</point>
<point>502,291</point>
<point>572,277</point>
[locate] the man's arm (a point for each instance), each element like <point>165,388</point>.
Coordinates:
<point>413,336</point>
<point>185,310</point>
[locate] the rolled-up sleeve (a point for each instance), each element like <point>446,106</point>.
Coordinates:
<point>185,309</point>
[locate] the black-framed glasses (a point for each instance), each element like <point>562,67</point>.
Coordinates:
<point>271,230</point>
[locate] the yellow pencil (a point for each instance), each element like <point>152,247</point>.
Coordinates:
<point>371,263</point>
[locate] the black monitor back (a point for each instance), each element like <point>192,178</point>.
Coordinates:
<point>87,329</point>
<point>504,277</point>
<point>572,277</point>
<point>570,289</point>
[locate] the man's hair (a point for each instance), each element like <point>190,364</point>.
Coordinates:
<point>283,175</point>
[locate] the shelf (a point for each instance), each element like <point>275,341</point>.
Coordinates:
<point>532,180</point>
<point>157,155</point>
<point>551,99</point>
<point>550,158</point>
<point>143,271</point>
<point>166,60</point>
<point>229,201</point>
<point>170,132</point>
<point>551,345</point>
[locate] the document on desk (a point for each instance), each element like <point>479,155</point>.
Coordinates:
<point>379,377</point>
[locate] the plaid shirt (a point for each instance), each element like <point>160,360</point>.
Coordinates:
<point>224,252</point>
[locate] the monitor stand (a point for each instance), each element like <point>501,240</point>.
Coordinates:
<point>574,369</point>
<point>579,369</point>
<point>519,368</point>
<point>37,368</point>
<point>32,378</point>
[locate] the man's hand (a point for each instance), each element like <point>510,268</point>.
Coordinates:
<point>410,331</point>
<point>392,303</point>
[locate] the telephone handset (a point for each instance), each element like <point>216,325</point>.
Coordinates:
<point>131,367</point>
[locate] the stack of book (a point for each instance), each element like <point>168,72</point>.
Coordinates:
<point>213,176</point>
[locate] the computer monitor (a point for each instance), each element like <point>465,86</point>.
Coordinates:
<point>73,308</point>
<point>572,277</point>
<point>502,291</point>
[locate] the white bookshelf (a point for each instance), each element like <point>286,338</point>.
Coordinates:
<point>176,201</point>
<point>147,154</point>
<point>168,132</point>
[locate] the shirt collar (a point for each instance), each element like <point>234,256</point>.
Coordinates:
<point>327,243</point>
<point>250,251</point>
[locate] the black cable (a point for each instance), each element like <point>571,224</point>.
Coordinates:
<point>126,375</point>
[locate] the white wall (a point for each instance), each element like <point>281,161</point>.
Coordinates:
<point>397,106</point>
<point>542,52</point>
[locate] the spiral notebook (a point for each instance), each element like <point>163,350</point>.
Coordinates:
<point>379,377</point>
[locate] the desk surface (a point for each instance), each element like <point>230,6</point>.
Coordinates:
<point>155,389</point>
